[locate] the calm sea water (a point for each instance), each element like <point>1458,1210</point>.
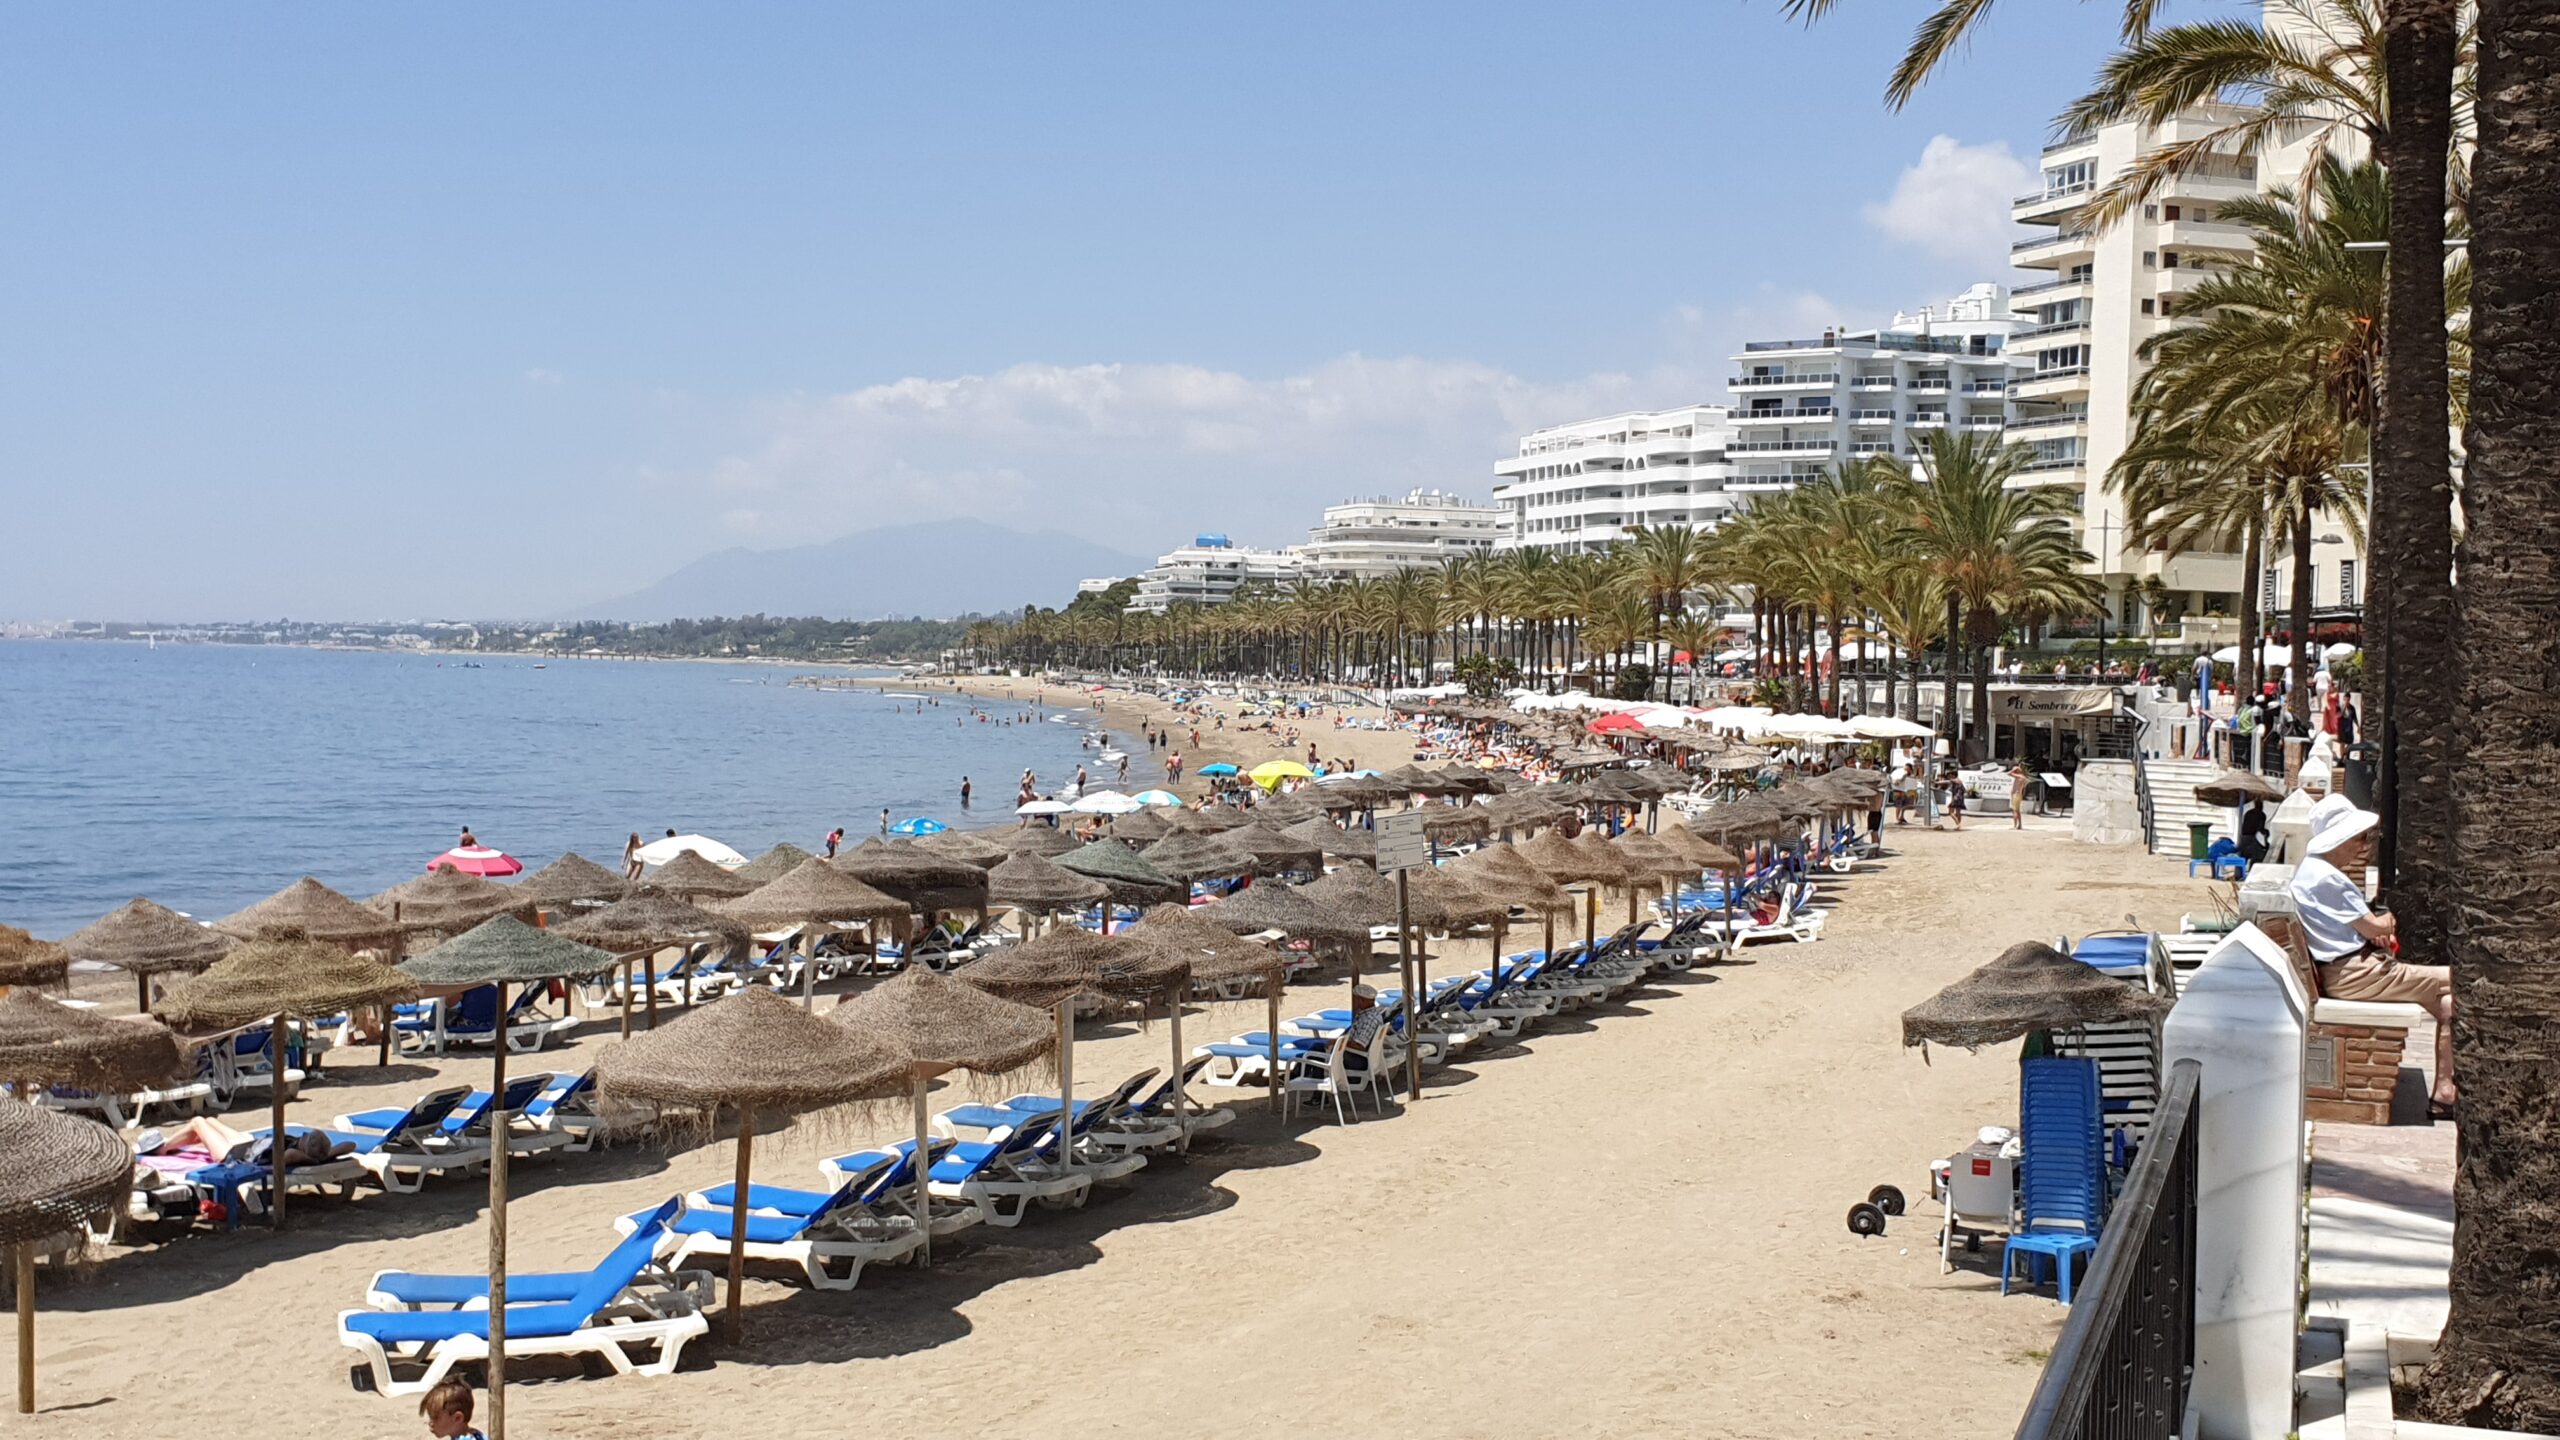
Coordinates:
<point>208,776</point>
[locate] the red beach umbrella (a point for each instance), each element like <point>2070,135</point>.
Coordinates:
<point>1614,721</point>
<point>478,860</point>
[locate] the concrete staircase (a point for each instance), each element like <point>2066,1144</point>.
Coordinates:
<point>2173,801</point>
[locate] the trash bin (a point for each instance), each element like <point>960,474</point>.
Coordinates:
<point>2361,757</point>
<point>2199,838</point>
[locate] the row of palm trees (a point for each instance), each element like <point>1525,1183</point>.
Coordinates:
<point>2323,380</point>
<point>1898,554</point>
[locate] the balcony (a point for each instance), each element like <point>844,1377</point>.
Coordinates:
<point>2061,420</point>
<point>1870,417</point>
<point>1938,386</point>
<point>1872,382</point>
<point>1985,422</point>
<point>1927,420</point>
<point>1781,447</point>
<point>1825,379</point>
<point>1796,416</point>
<point>2047,251</point>
<point>2047,384</point>
<point>1987,387</point>
<point>2049,287</point>
<point>2077,325</point>
<point>1872,447</point>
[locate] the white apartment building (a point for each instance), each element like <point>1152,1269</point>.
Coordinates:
<point>1372,538</point>
<point>1209,571</point>
<point>1581,486</point>
<point>1801,406</point>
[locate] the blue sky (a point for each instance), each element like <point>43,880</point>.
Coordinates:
<point>486,311</point>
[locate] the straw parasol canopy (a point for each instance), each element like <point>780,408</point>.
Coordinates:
<point>1126,873</point>
<point>445,899</point>
<point>1567,863</point>
<point>44,1042</point>
<point>811,892</point>
<point>1355,893</point>
<point>504,949</point>
<point>56,1171</point>
<point>1621,871</point>
<point>1046,840</point>
<point>1522,809</point>
<point>1274,849</point>
<point>1141,826</point>
<point>1333,840</point>
<point>1199,857</point>
<point>143,937</point>
<point>1213,952</point>
<point>691,877</point>
<point>2032,986</point>
<point>1501,871</point>
<point>2238,787</point>
<point>1284,810</point>
<point>1285,909</point>
<point>1653,857</point>
<point>773,864</point>
<point>308,910</point>
<point>925,880</point>
<point>1454,822</point>
<point>969,847</point>
<point>1414,780</point>
<point>649,918</point>
<point>26,960</point>
<point>1341,796</point>
<point>950,1024</point>
<point>1738,760</point>
<point>1028,882</point>
<point>1745,819</point>
<point>1701,852</point>
<point>755,1050</point>
<point>1046,969</point>
<point>569,880</point>
<point>291,976</point>
<point>1463,780</point>
<point>1439,900</point>
<point>1210,821</point>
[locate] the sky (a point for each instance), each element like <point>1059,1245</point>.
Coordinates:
<point>490,311</point>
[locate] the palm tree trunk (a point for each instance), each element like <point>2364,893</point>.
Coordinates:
<point>2411,604</point>
<point>2298,703</point>
<point>2253,562</point>
<point>1977,659</point>
<point>2493,1365</point>
<point>1955,634</point>
<point>1835,663</point>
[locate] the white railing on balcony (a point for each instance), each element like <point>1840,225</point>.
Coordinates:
<point>1780,447</point>
<point>1798,414</point>
<point>1825,378</point>
<point>1870,417</point>
<point>1872,382</point>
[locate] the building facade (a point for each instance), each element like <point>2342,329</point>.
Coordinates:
<point>1209,571</point>
<point>1366,539</point>
<point>1802,406</point>
<point>1582,486</point>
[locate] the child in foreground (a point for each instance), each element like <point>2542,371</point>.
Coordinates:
<point>448,1411</point>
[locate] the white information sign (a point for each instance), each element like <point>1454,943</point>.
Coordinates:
<point>1401,843</point>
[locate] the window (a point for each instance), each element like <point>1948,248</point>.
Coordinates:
<point>2169,213</point>
<point>2168,304</point>
<point>2150,259</point>
<point>2168,259</point>
<point>2146,307</point>
<point>2267,591</point>
<point>2151,212</point>
<point>2346,582</point>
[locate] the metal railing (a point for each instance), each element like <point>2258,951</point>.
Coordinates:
<point>2126,1357</point>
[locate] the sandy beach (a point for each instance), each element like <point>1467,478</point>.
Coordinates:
<point>1629,1223</point>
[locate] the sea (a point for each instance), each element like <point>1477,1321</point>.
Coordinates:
<point>208,776</point>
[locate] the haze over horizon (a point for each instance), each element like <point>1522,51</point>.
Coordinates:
<point>498,312</point>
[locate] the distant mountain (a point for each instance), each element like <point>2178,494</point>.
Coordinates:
<point>936,569</point>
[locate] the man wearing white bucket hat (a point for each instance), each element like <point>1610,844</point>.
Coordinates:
<point>2351,945</point>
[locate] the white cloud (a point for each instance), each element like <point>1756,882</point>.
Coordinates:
<point>540,378</point>
<point>1954,204</point>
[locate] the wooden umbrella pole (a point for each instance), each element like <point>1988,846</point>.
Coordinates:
<point>649,973</point>
<point>26,1262</point>
<point>809,968</point>
<point>924,1177</point>
<point>141,994</point>
<point>1271,1035</point>
<point>1404,967</point>
<point>626,997</point>
<point>1066,1082</point>
<point>1181,1111</point>
<point>275,1123</point>
<point>498,1125</point>
<point>732,1323</point>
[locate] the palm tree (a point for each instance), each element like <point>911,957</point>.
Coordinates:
<point>1910,603</point>
<point>1664,563</point>
<point>1994,548</point>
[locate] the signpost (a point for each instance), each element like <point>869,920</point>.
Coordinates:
<point>1401,847</point>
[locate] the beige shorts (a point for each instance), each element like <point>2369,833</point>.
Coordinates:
<point>2371,975</point>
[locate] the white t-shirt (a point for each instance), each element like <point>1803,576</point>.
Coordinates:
<point>2328,904</point>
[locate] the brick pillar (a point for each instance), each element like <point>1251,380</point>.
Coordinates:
<point>2296,750</point>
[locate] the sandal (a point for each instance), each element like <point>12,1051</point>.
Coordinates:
<point>2438,1110</point>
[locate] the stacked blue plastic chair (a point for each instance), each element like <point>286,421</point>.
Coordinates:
<point>2063,1172</point>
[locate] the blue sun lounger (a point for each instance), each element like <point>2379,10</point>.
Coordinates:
<point>998,1178</point>
<point>605,1316</point>
<point>401,1153</point>
<point>845,1228</point>
<point>400,1290</point>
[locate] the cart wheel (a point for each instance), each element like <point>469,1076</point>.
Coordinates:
<point>1887,1198</point>
<point>1865,1219</point>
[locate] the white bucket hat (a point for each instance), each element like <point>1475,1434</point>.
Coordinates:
<point>2335,821</point>
<point>1364,992</point>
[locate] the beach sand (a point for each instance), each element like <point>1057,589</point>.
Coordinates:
<point>1630,1223</point>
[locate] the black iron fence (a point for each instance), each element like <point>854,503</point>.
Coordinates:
<point>2127,1354</point>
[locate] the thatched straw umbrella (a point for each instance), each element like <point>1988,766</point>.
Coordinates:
<point>641,924</point>
<point>944,1024</point>
<point>44,1042</point>
<point>1283,810</point>
<point>969,847</point>
<point>1414,780</point>
<point>275,981</point>
<point>501,951</point>
<point>690,877</point>
<point>1044,840</point>
<point>1501,871</point>
<point>308,910</point>
<point>1038,887</point>
<point>445,899</point>
<point>2237,788</point>
<point>1211,821</point>
<point>2031,986</point>
<point>930,883</point>
<point>1332,840</point>
<point>773,864</point>
<point>1141,827</point>
<point>1215,956</point>
<point>751,1050</point>
<point>56,1171</point>
<point>1652,864</point>
<point>1575,866</point>
<point>573,879</point>
<point>1195,857</point>
<point>814,894</point>
<point>145,939</point>
<point>1447,823</point>
<point>1275,851</point>
<point>1124,872</point>
<point>1058,968</point>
